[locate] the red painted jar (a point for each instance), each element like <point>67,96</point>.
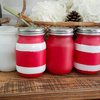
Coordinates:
<point>87,50</point>
<point>30,52</point>
<point>60,51</point>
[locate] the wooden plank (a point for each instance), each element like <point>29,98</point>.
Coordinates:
<point>49,87</point>
<point>58,95</point>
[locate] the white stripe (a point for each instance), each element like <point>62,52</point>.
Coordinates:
<point>30,70</point>
<point>87,48</point>
<point>31,47</point>
<point>86,67</point>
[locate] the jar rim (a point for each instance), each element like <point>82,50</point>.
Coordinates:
<point>60,31</point>
<point>30,31</point>
<point>8,29</point>
<point>88,30</point>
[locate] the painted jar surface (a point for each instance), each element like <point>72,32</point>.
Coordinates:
<point>8,38</point>
<point>87,50</point>
<point>60,51</point>
<point>30,52</point>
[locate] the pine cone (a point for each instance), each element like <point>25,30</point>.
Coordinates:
<point>73,16</point>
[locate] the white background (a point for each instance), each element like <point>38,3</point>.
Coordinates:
<point>17,5</point>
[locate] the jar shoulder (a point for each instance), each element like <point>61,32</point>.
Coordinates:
<point>88,40</point>
<point>60,42</point>
<point>30,39</point>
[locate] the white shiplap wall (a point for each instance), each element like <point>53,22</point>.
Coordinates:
<point>17,5</point>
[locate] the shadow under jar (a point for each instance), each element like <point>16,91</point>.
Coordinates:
<point>87,50</point>
<point>30,52</point>
<point>60,50</point>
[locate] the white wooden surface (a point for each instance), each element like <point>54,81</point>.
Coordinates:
<point>17,5</point>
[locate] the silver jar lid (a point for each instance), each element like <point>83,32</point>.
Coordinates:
<point>60,31</point>
<point>89,30</point>
<point>30,31</point>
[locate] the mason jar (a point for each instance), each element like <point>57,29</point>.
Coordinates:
<point>87,50</point>
<point>30,52</point>
<point>60,50</point>
<point>8,38</point>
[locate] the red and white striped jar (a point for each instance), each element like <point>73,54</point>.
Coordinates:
<point>30,52</point>
<point>87,50</point>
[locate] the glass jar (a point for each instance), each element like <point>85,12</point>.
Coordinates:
<point>30,52</point>
<point>0,13</point>
<point>60,50</point>
<point>87,50</point>
<point>8,38</point>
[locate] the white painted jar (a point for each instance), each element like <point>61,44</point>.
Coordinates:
<point>8,38</point>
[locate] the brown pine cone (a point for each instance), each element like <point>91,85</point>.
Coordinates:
<point>73,16</point>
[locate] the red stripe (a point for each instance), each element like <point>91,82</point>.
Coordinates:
<point>87,72</point>
<point>88,40</point>
<point>87,58</point>
<point>31,59</point>
<point>30,75</point>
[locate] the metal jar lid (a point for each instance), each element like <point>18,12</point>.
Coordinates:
<point>60,31</point>
<point>30,31</point>
<point>89,30</point>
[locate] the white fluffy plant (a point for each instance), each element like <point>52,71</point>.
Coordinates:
<point>88,9</point>
<point>68,3</point>
<point>50,11</point>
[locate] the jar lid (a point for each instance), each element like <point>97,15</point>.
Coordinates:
<point>89,30</point>
<point>60,31</point>
<point>8,29</point>
<point>29,31</point>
